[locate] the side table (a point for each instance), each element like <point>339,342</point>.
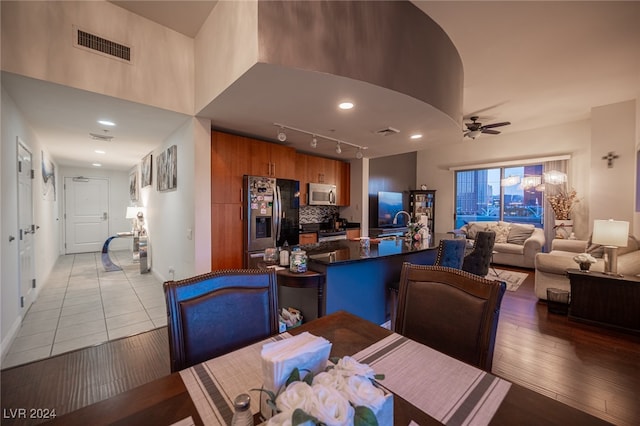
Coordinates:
<point>308,279</point>
<point>607,300</point>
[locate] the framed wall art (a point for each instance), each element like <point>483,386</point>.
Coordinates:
<point>133,184</point>
<point>48,178</point>
<point>146,171</point>
<point>167,169</point>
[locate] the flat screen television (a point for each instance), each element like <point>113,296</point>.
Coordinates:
<point>390,203</point>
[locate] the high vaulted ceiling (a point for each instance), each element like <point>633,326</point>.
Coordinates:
<point>535,64</point>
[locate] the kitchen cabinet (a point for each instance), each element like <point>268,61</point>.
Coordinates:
<point>308,238</point>
<point>270,159</point>
<point>227,238</point>
<point>314,169</point>
<point>229,162</point>
<point>423,203</point>
<point>353,233</point>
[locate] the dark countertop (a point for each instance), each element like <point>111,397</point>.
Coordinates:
<point>344,251</point>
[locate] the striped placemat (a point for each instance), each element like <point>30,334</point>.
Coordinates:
<point>214,384</point>
<point>449,390</point>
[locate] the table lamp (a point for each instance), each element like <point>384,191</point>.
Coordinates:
<point>137,216</point>
<point>611,234</point>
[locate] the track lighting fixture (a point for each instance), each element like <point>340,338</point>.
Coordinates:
<point>282,136</point>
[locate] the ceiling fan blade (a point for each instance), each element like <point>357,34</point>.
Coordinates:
<point>490,126</point>
<point>490,132</point>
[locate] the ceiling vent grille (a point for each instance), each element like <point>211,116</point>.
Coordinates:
<point>102,45</point>
<point>387,131</point>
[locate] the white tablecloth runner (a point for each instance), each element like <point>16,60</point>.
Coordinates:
<point>450,391</point>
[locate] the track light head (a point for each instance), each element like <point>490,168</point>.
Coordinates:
<point>314,142</point>
<point>338,148</point>
<point>282,136</point>
<point>359,154</point>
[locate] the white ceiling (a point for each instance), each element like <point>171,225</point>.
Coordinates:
<point>532,63</point>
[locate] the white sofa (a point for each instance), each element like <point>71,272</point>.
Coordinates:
<point>551,267</point>
<point>516,244</point>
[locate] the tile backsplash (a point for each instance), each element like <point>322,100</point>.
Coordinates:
<point>317,214</point>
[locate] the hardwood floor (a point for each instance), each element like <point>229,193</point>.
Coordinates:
<point>594,369</point>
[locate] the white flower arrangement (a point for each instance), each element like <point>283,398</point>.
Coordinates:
<point>584,258</point>
<point>344,394</point>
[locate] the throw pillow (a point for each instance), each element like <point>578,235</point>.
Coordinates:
<point>502,232</point>
<point>519,233</point>
<point>474,228</point>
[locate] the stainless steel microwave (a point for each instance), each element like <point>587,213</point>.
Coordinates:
<point>322,194</point>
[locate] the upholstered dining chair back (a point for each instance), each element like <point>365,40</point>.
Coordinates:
<point>451,311</point>
<point>478,261</point>
<point>218,312</point>
<point>451,253</point>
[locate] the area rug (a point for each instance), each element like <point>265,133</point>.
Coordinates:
<point>512,278</point>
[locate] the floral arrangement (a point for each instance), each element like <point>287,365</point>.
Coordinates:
<point>584,258</point>
<point>344,394</point>
<point>413,231</point>
<point>562,203</point>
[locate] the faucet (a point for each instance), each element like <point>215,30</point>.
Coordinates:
<point>395,218</point>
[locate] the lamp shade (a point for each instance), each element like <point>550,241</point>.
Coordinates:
<point>132,212</point>
<point>610,232</point>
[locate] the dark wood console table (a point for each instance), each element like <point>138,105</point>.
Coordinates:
<point>308,279</point>
<point>607,300</point>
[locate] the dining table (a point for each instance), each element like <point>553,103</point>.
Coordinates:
<point>429,388</point>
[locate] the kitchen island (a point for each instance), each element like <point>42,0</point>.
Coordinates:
<point>357,280</point>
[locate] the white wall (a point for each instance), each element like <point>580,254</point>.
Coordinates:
<point>38,43</point>
<point>118,202</point>
<point>46,217</point>
<point>613,189</point>
<point>176,227</point>
<point>225,48</point>
<point>602,191</point>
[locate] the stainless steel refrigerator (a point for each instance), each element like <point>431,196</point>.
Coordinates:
<point>272,218</point>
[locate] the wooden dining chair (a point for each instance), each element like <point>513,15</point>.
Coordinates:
<point>450,310</point>
<point>218,312</point>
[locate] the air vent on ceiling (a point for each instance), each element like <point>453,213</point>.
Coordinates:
<point>99,137</point>
<point>102,45</point>
<point>387,131</point>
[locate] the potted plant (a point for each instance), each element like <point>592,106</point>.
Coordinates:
<point>562,203</point>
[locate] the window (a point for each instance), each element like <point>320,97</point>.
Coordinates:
<point>511,194</point>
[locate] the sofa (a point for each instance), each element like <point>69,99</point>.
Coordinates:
<point>516,243</point>
<point>551,267</point>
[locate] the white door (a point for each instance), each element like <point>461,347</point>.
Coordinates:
<point>26,227</point>
<point>86,204</point>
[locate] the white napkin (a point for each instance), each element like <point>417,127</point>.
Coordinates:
<point>304,351</point>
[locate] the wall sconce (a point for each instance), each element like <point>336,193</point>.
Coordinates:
<point>611,234</point>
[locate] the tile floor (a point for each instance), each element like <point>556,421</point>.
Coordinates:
<point>82,305</point>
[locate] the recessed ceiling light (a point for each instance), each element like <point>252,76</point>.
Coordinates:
<point>106,123</point>
<point>97,165</point>
<point>99,151</point>
<point>416,136</point>
<point>345,105</point>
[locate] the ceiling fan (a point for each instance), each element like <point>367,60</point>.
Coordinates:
<point>475,128</point>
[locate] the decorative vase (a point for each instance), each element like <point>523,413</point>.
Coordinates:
<point>584,266</point>
<point>563,228</point>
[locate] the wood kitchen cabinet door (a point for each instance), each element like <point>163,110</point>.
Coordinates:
<point>228,164</point>
<point>320,170</point>
<point>270,159</point>
<point>301,176</point>
<point>283,160</point>
<point>227,238</point>
<point>343,182</point>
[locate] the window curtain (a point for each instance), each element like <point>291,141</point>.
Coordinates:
<point>549,218</point>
